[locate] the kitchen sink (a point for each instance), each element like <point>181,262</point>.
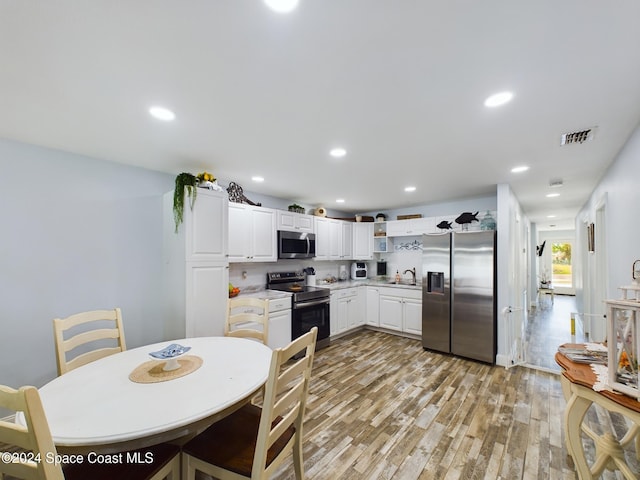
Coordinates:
<point>403,282</point>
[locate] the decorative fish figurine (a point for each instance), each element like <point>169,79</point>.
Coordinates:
<point>467,217</point>
<point>444,225</point>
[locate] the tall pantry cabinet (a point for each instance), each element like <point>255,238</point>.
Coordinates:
<point>197,265</point>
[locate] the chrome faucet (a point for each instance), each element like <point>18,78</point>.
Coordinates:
<point>413,273</point>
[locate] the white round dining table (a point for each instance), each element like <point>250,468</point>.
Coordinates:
<point>98,408</point>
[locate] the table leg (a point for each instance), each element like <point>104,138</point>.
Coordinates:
<point>573,416</point>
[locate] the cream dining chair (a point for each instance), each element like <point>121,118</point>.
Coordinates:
<point>35,442</point>
<point>106,339</point>
<point>253,441</point>
<point>246,313</point>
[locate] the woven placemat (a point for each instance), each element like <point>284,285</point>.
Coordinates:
<point>152,371</point>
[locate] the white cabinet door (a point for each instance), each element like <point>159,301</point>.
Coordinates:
<point>346,241</point>
<point>264,238</point>
<point>343,314</point>
<point>323,238</point>
<point>372,311</point>
<point>207,291</point>
<point>414,226</point>
<point>239,233</point>
<point>363,241</point>
<point>279,329</point>
<point>345,310</point>
<point>391,312</point>
<point>335,240</point>
<point>295,222</point>
<point>205,235</point>
<point>252,234</point>
<point>412,316</point>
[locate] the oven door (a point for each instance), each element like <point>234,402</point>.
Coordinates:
<point>307,315</point>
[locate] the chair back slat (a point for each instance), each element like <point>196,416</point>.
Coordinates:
<point>247,317</point>
<point>92,340</point>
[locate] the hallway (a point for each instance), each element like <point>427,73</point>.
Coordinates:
<point>549,326</point>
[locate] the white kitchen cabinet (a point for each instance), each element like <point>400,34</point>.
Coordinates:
<point>323,238</point>
<point>412,319</point>
<point>391,312</point>
<point>401,309</point>
<point>205,305</point>
<point>363,241</point>
<point>196,269</point>
<point>252,234</point>
<point>346,241</point>
<point>295,222</point>
<point>345,310</point>
<point>279,323</point>
<point>372,310</point>
<point>333,239</point>
<point>413,226</point>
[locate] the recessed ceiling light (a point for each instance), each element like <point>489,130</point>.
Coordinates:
<point>162,113</point>
<point>340,200</point>
<point>498,99</point>
<point>257,179</point>
<point>551,216</point>
<point>520,169</point>
<point>338,152</point>
<point>281,6</point>
<point>551,195</point>
<point>409,189</point>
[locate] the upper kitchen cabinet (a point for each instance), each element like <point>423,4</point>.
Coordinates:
<point>414,226</point>
<point>203,226</point>
<point>363,241</point>
<point>295,222</point>
<point>252,234</point>
<point>333,239</point>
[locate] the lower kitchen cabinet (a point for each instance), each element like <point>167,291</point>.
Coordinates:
<point>346,312</point>
<point>372,310</point>
<point>401,310</point>
<point>279,323</point>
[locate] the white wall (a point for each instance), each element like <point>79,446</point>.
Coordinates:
<point>77,234</point>
<point>513,264</point>
<point>619,193</point>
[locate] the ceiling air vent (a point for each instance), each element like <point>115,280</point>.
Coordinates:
<point>577,137</point>
<point>556,182</point>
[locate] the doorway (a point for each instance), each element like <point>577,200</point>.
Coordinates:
<point>562,267</point>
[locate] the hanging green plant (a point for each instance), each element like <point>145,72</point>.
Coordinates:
<point>188,181</point>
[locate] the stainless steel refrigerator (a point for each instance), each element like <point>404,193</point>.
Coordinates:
<point>458,294</point>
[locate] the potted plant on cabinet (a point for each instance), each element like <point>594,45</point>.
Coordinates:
<point>183,181</point>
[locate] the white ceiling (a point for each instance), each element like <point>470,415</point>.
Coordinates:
<point>399,84</point>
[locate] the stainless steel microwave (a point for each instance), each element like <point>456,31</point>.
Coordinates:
<point>296,244</point>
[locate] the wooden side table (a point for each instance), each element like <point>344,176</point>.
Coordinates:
<point>577,386</point>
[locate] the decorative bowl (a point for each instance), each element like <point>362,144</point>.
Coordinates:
<point>170,354</point>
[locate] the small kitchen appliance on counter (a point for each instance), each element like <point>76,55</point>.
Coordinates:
<point>381,268</point>
<point>358,271</point>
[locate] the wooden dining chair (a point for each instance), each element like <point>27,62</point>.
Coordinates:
<point>247,317</point>
<point>99,331</point>
<point>253,441</point>
<point>34,442</point>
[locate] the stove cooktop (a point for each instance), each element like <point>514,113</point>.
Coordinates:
<point>294,282</point>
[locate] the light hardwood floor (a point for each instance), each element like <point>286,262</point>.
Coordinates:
<point>382,407</point>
